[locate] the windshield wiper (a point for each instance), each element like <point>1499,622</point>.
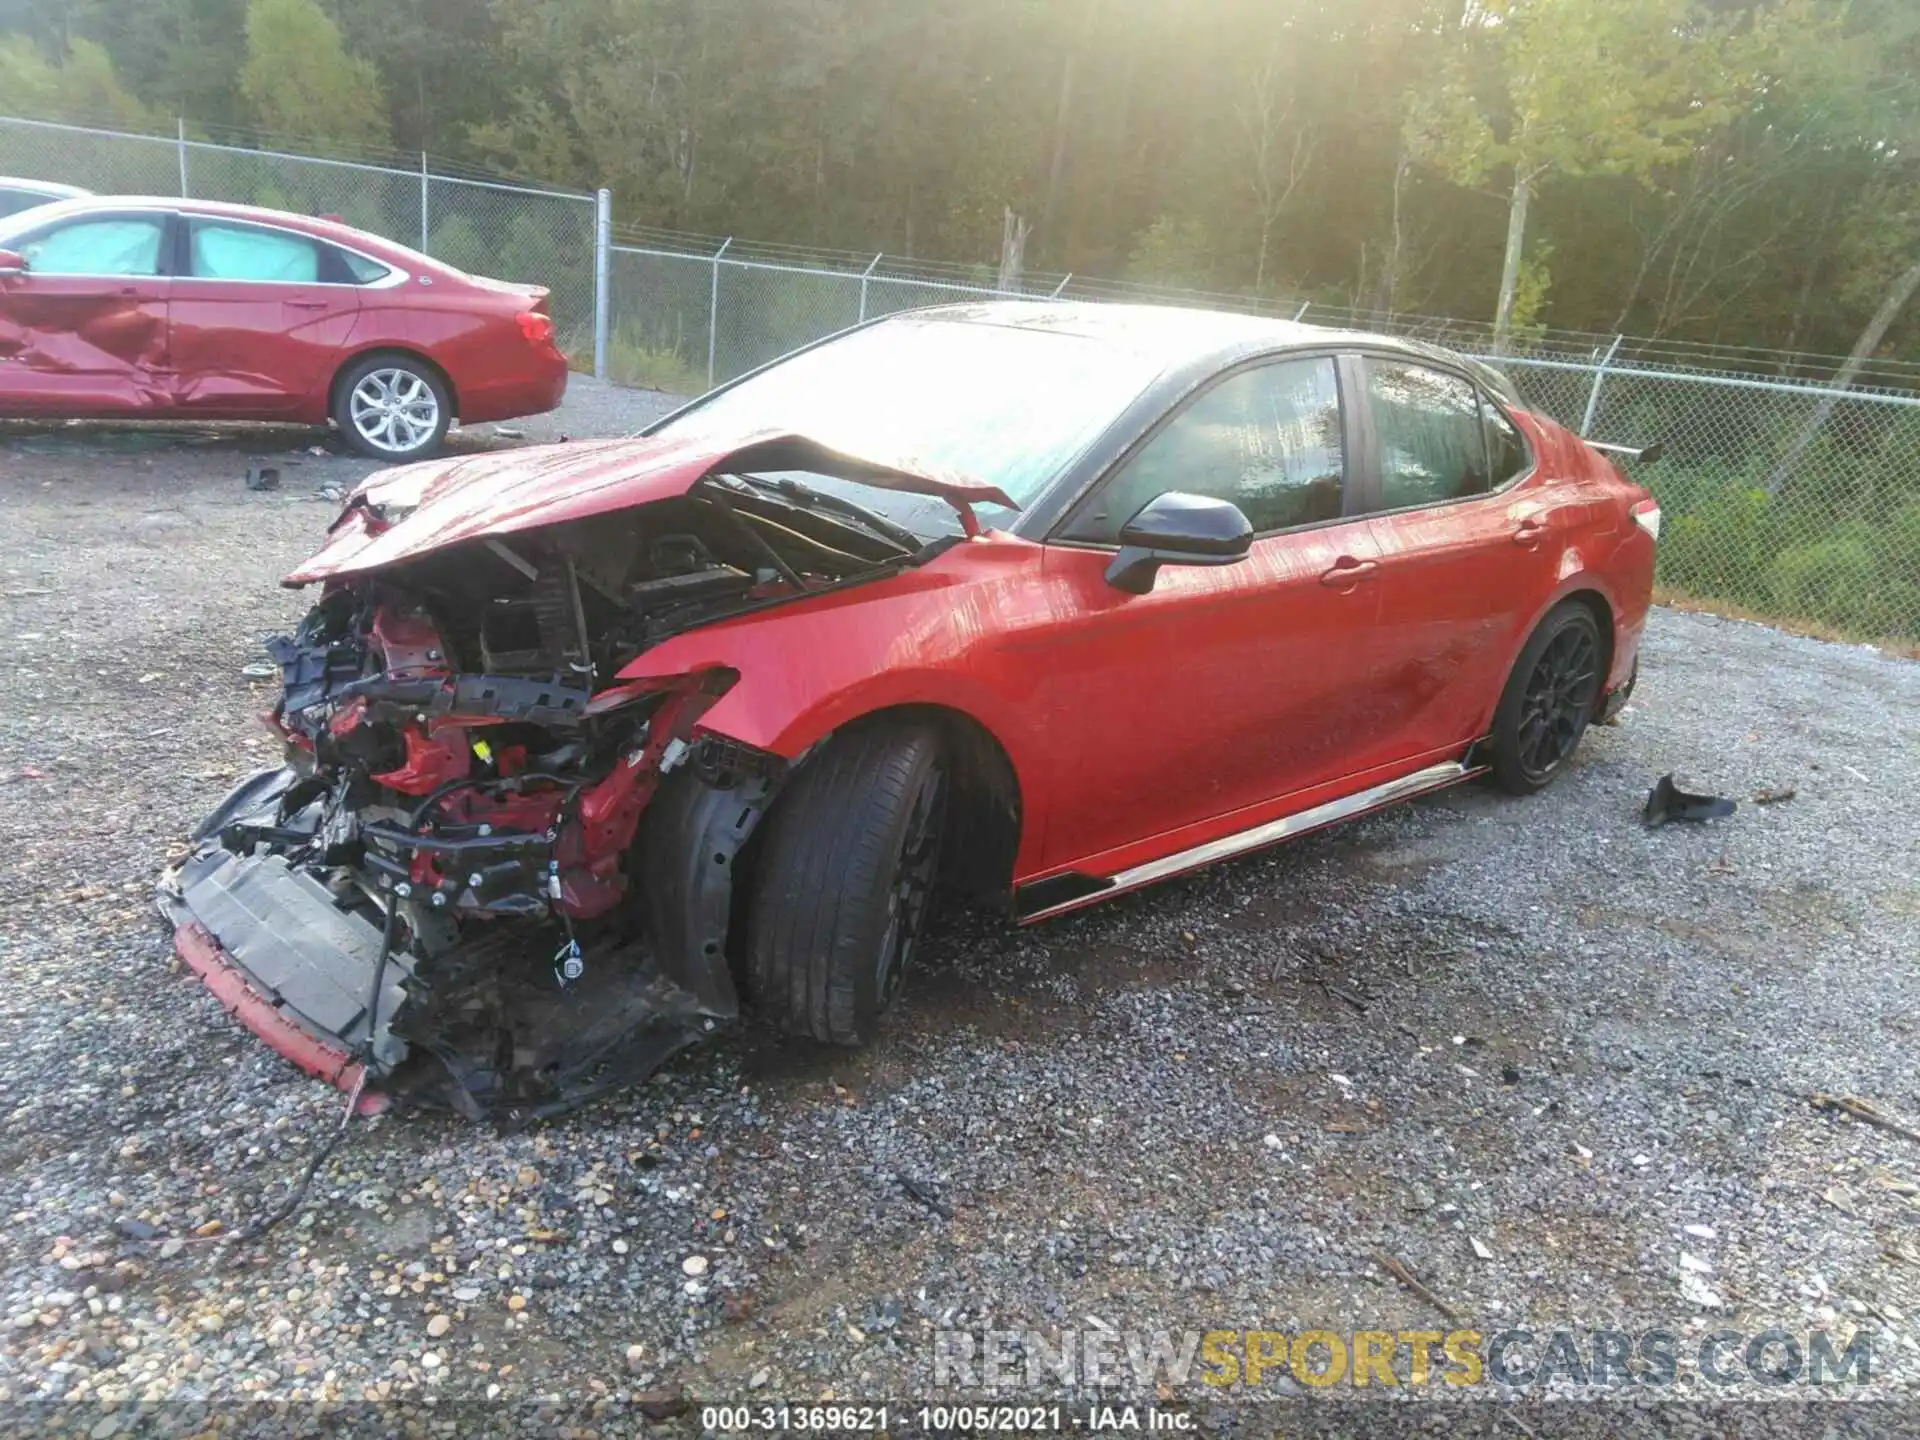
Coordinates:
<point>871,519</point>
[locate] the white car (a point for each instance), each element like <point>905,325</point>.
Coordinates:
<point>17,195</point>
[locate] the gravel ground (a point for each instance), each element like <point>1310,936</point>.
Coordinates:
<point>1579,1037</point>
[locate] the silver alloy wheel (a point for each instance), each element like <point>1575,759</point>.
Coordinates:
<point>394,410</point>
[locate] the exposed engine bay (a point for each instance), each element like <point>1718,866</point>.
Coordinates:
<point>490,875</point>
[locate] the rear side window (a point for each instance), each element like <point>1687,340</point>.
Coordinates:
<point>128,245</point>
<point>1507,453</point>
<point>242,252</point>
<point>358,269</point>
<point>1432,435</point>
<point>1268,439</point>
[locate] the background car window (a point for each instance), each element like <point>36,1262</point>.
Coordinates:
<point>12,202</point>
<point>240,252</point>
<point>359,269</point>
<point>1507,454</point>
<point>129,246</point>
<point>1267,439</point>
<point>1433,443</point>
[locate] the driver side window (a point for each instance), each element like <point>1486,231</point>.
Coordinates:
<point>128,245</point>
<point>1268,439</point>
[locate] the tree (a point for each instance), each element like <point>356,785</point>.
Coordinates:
<point>299,80</point>
<point>1568,88</point>
<point>80,86</point>
<point>1279,149</point>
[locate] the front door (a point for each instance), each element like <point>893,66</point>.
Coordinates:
<point>1227,687</point>
<point>83,330</point>
<point>260,317</point>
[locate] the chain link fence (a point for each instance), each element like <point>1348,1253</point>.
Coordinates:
<point>1783,497</point>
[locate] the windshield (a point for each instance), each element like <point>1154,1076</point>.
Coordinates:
<point>1010,405</point>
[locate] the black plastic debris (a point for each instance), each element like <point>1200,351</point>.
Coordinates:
<point>925,1194</point>
<point>263,477</point>
<point>1667,801</point>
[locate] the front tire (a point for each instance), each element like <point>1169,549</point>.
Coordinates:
<point>844,881</point>
<point>392,407</point>
<point>1549,700</point>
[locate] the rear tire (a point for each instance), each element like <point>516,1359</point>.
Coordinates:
<point>1549,700</point>
<point>844,881</point>
<point>392,407</point>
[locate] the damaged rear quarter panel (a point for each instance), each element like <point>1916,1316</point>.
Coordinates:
<point>966,631</point>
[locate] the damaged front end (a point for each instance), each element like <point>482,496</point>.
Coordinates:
<point>492,876</point>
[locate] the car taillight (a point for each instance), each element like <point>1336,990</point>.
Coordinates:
<point>536,327</point>
<point>1646,514</point>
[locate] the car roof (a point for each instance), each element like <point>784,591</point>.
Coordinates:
<point>1174,334</point>
<point>42,187</point>
<point>375,245</point>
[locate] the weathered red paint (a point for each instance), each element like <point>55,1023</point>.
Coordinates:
<point>188,347</point>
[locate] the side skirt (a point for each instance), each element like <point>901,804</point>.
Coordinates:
<point>1043,899</point>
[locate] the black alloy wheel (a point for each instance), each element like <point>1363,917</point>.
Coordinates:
<point>1549,701</point>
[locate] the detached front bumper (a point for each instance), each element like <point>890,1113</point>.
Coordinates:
<point>231,985</point>
<point>288,961</point>
<point>469,1016</point>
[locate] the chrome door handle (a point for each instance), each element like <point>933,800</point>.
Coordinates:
<point>1529,533</point>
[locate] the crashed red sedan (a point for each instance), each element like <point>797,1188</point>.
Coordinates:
<point>593,747</point>
<point>127,308</point>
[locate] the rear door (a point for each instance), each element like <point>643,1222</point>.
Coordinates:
<point>1469,547</point>
<point>260,316</point>
<point>1226,687</point>
<point>83,332</point>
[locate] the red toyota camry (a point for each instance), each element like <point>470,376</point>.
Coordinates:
<point>190,310</point>
<point>593,746</point>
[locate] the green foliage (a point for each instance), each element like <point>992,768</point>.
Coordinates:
<point>456,241</point>
<point>530,138</point>
<point>632,361</point>
<point>1530,294</point>
<point>1737,171</point>
<point>1724,539</point>
<point>80,85</point>
<point>298,79</point>
<point>1845,579</point>
<point>1174,250</point>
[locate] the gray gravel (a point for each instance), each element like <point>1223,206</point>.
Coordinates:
<point>1579,1038</point>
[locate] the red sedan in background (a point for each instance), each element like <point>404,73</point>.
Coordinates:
<point>115,308</point>
<point>590,746</point>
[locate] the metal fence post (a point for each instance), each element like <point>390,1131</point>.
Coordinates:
<point>863,287</point>
<point>180,129</point>
<point>423,202</point>
<point>1061,286</point>
<point>602,277</point>
<point>1301,313</point>
<point>1593,397</point>
<point>713,311</point>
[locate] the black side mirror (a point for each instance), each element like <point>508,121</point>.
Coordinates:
<point>1178,529</point>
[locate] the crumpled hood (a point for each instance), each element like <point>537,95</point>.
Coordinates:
<point>407,512</point>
